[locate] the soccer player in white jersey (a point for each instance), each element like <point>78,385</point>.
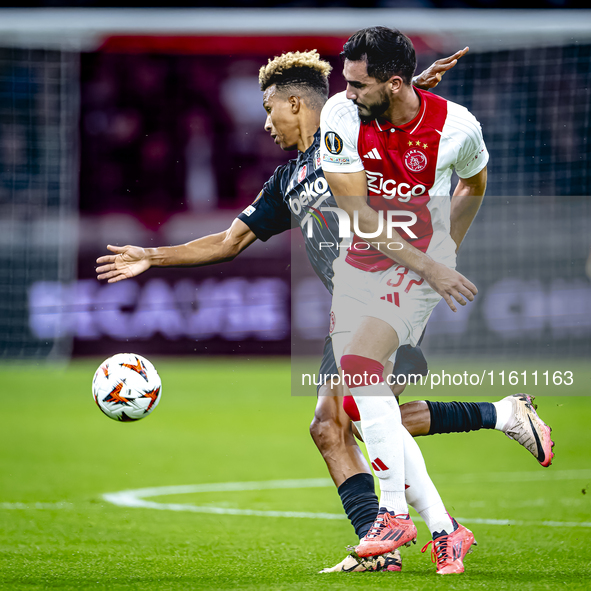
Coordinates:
<point>295,88</point>
<point>389,148</point>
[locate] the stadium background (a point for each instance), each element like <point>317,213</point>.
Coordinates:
<point>151,134</point>
<point>145,127</point>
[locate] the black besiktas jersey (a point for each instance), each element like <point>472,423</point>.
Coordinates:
<point>290,199</point>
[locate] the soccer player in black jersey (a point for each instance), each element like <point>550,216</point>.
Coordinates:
<point>295,87</point>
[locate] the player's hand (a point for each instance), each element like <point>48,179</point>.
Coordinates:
<point>450,284</point>
<point>431,77</point>
<point>128,262</point>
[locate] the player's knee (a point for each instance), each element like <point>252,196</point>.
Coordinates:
<point>328,428</point>
<point>326,433</point>
<point>317,431</point>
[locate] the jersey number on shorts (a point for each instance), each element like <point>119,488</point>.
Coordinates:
<point>394,297</point>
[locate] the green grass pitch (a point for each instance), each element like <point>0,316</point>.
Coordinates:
<point>225,421</point>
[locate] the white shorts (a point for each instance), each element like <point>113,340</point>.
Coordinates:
<point>398,296</point>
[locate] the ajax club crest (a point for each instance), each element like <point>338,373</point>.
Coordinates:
<point>415,160</point>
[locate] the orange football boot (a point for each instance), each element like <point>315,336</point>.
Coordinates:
<point>448,550</point>
<point>387,533</point>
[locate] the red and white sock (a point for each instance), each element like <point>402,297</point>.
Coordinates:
<point>381,424</point>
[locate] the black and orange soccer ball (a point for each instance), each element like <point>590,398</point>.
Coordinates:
<point>126,387</point>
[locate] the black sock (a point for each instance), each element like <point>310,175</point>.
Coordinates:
<point>360,502</point>
<point>458,417</point>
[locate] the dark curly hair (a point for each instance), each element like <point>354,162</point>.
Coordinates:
<point>387,53</point>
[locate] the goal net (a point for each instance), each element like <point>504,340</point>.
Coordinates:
<point>38,193</point>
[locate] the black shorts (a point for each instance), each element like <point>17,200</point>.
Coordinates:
<point>409,361</point>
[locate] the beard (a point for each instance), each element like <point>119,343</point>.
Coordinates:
<point>368,113</point>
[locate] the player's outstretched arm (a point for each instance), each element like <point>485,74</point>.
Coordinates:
<point>127,262</point>
<point>349,190</point>
<point>431,77</point>
<point>130,261</point>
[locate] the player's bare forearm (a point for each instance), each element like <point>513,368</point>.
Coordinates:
<point>465,204</point>
<point>431,77</point>
<point>464,209</point>
<point>209,250</point>
<point>388,242</point>
<point>445,281</point>
<point>350,190</point>
<point>130,261</point>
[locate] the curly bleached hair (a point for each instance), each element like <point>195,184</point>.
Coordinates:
<point>298,72</point>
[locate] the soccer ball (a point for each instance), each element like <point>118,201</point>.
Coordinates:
<point>126,387</point>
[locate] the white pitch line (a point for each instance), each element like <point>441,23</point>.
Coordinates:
<point>139,503</point>
<point>27,506</point>
<point>137,498</point>
<point>537,476</point>
<point>529,523</point>
<point>228,487</point>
